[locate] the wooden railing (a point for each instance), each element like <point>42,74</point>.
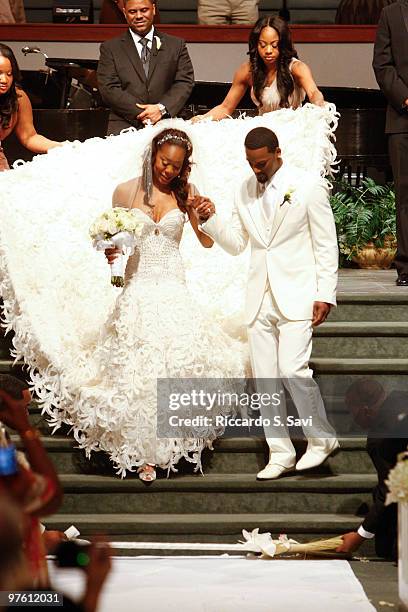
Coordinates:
<point>190,33</point>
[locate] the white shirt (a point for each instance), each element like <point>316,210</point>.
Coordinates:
<point>364,533</point>
<point>273,187</point>
<point>136,38</point>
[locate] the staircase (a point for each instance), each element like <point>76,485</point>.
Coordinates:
<point>365,335</point>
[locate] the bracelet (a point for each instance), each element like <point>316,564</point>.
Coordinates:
<point>30,434</point>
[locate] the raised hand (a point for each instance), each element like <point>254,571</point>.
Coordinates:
<point>203,207</point>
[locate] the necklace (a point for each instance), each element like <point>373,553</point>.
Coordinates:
<point>148,208</point>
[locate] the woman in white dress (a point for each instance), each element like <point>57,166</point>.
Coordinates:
<point>155,331</point>
<point>56,289</point>
<point>277,78</point>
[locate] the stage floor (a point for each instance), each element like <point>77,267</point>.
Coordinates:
<point>371,282</point>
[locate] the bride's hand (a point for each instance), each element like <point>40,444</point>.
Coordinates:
<point>198,118</point>
<point>203,208</point>
<point>112,254</point>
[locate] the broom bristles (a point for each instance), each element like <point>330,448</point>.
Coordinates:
<point>318,546</point>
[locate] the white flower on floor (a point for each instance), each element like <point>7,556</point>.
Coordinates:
<point>258,542</point>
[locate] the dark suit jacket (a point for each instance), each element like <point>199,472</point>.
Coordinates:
<point>123,83</point>
<point>382,519</point>
<point>390,63</point>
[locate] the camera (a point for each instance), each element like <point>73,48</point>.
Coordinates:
<point>72,554</point>
<point>8,460</point>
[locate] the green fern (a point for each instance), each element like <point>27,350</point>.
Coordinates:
<point>363,214</point>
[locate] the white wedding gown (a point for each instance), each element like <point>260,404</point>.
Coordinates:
<point>155,331</point>
<point>93,353</point>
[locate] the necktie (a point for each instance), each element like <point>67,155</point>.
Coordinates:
<point>268,203</point>
<point>145,56</point>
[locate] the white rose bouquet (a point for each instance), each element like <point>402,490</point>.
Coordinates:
<point>116,228</point>
<point>398,481</point>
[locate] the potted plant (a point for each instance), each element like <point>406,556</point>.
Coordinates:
<point>365,218</point>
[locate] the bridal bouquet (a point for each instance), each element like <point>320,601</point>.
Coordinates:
<point>116,228</point>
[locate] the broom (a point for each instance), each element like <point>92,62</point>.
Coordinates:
<point>254,542</point>
<point>269,548</point>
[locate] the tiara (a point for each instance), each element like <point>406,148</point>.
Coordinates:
<point>167,137</point>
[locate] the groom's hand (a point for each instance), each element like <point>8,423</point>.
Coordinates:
<point>351,542</point>
<point>203,207</point>
<point>320,312</point>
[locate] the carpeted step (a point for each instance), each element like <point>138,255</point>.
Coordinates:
<point>8,367</point>
<point>213,528</point>
<point>385,302</point>
<point>230,455</point>
<point>322,366</point>
<point>334,365</point>
<point>361,339</point>
<point>248,455</point>
<point>5,345</point>
<point>227,493</point>
<point>198,524</point>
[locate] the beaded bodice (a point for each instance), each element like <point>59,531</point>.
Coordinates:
<point>157,253</point>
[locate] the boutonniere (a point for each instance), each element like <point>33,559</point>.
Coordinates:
<point>288,195</point>
<point>158,42</point>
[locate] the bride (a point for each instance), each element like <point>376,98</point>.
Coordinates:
<point>156,331</point>
<point>57,293</point>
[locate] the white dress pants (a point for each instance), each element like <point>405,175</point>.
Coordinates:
<point>280,351</point>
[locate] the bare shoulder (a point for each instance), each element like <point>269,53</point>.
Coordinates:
<point>23,99</point>
<point>123,192</point>
<point>243,73</point>
<point>298,67</point>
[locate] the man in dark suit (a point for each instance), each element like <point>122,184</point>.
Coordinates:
<point>390,65</point>
<point>143,75</point>
<point>386,421</point>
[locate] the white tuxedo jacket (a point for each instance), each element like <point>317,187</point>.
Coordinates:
<point>299,254</point>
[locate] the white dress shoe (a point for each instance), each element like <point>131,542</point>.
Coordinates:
<point>315,456</point>
<point>272,471</point>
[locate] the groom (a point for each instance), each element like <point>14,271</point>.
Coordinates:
<point>285,214</point>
